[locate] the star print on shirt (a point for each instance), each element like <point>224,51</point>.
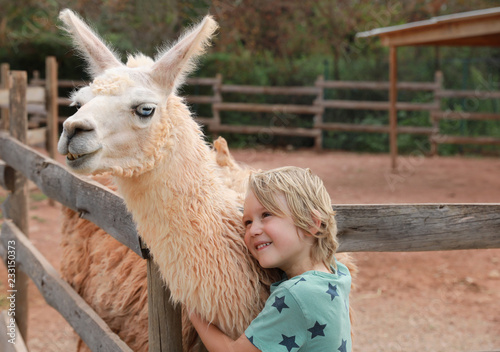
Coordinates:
<point>289,342</point>
<point>341,273</point>
<point>343,347</point>
<point>301,279</point>
<point>332,291</point>
<point>317,330</point>
<point>279,303</point>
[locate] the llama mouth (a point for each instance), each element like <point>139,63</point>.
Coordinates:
<point>263,245</point>
<point>74,161</point>
<point>73,157</point>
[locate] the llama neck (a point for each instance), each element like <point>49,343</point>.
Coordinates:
<point>183,185</point>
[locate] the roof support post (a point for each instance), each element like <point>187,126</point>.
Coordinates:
<point>393,97</point>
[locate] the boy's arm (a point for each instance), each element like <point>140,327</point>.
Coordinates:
<point>215,340</point>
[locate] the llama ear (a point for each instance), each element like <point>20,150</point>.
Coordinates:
<point>172,65</point>
<point>94,50</point>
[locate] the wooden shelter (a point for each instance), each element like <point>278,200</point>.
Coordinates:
<point>474,28</point>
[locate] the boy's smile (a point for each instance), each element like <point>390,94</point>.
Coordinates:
<point>274,240</point>
<point>261,245</point>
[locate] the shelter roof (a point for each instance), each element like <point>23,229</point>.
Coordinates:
<point>473,28</point>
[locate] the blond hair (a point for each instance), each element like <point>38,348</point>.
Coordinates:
<point>307,199</point>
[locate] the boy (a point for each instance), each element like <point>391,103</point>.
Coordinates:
<point>290,224</point>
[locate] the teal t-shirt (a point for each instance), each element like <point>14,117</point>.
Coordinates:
<point>309,312</point>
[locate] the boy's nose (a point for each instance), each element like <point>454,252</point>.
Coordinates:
<point>255,229</point>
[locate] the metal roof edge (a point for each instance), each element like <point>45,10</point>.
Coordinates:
<point>432,21</point>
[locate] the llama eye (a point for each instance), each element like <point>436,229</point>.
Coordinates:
<point>145,110</point>
<point>77,105</point>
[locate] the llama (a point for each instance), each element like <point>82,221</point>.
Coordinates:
<point>132,125</point>
<point>89,254</point>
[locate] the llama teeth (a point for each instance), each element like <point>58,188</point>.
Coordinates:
<point>72,156</point>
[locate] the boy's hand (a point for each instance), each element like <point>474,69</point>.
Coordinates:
<point>215,340</point>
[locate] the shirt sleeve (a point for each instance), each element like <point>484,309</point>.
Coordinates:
<point>281,325</point>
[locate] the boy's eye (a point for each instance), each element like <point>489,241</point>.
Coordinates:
<point>247,223</point>
<point>266,214</point>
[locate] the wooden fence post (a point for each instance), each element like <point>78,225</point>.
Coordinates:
<point>17,203</point>
<point>4,84</point>
<point>51,95</point>
<point>52,108</point>
<point>318,117</point>
<point>438,78</point>
<point>393,112</point>
<point>164,318</point>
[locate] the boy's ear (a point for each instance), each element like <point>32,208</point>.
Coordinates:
<point>316,217</point>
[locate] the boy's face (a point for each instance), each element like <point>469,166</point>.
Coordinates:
<point>275,241</point>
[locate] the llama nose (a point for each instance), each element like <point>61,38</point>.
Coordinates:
<point>75,127</point>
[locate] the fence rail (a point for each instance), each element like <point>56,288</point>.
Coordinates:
<point>59,294</point>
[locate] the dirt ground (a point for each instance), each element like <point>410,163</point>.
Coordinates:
<point>429,301</point>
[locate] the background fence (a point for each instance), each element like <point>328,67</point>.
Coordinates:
<point>409,227</point>
<point>278,115</point>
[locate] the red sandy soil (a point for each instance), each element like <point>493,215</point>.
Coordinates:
<point>428,301</point>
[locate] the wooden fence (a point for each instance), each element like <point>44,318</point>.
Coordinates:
<point>42,105</point>
<point>317,109</point>
<point>408,227</point>
<point>320,104</point>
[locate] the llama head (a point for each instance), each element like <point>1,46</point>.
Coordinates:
<point>128,113</point>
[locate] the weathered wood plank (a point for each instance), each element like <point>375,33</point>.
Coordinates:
<point>393,105</point>
<point>59,294</point>
<point>273,108</point>
<point>16,205</point>
<point>63,101</point>
<point>201,99</point>
<point>350,127</point>
<point>462,115</point>
<point>376,105</point>
<point>202,81</point>
<point>34,95</point>
<point>417,227</point>
<point>164,318</point>
<point>227,88</point>
<point>37,135</point>
<point>51,92</point>
<point>93,201</point>
<point>4,93</point>
<point>266,131</point>
<point>479,94</point>
<point>207,121</point>
<point>10,331</point>
<point>370,85</point>
<point>445,139</point>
